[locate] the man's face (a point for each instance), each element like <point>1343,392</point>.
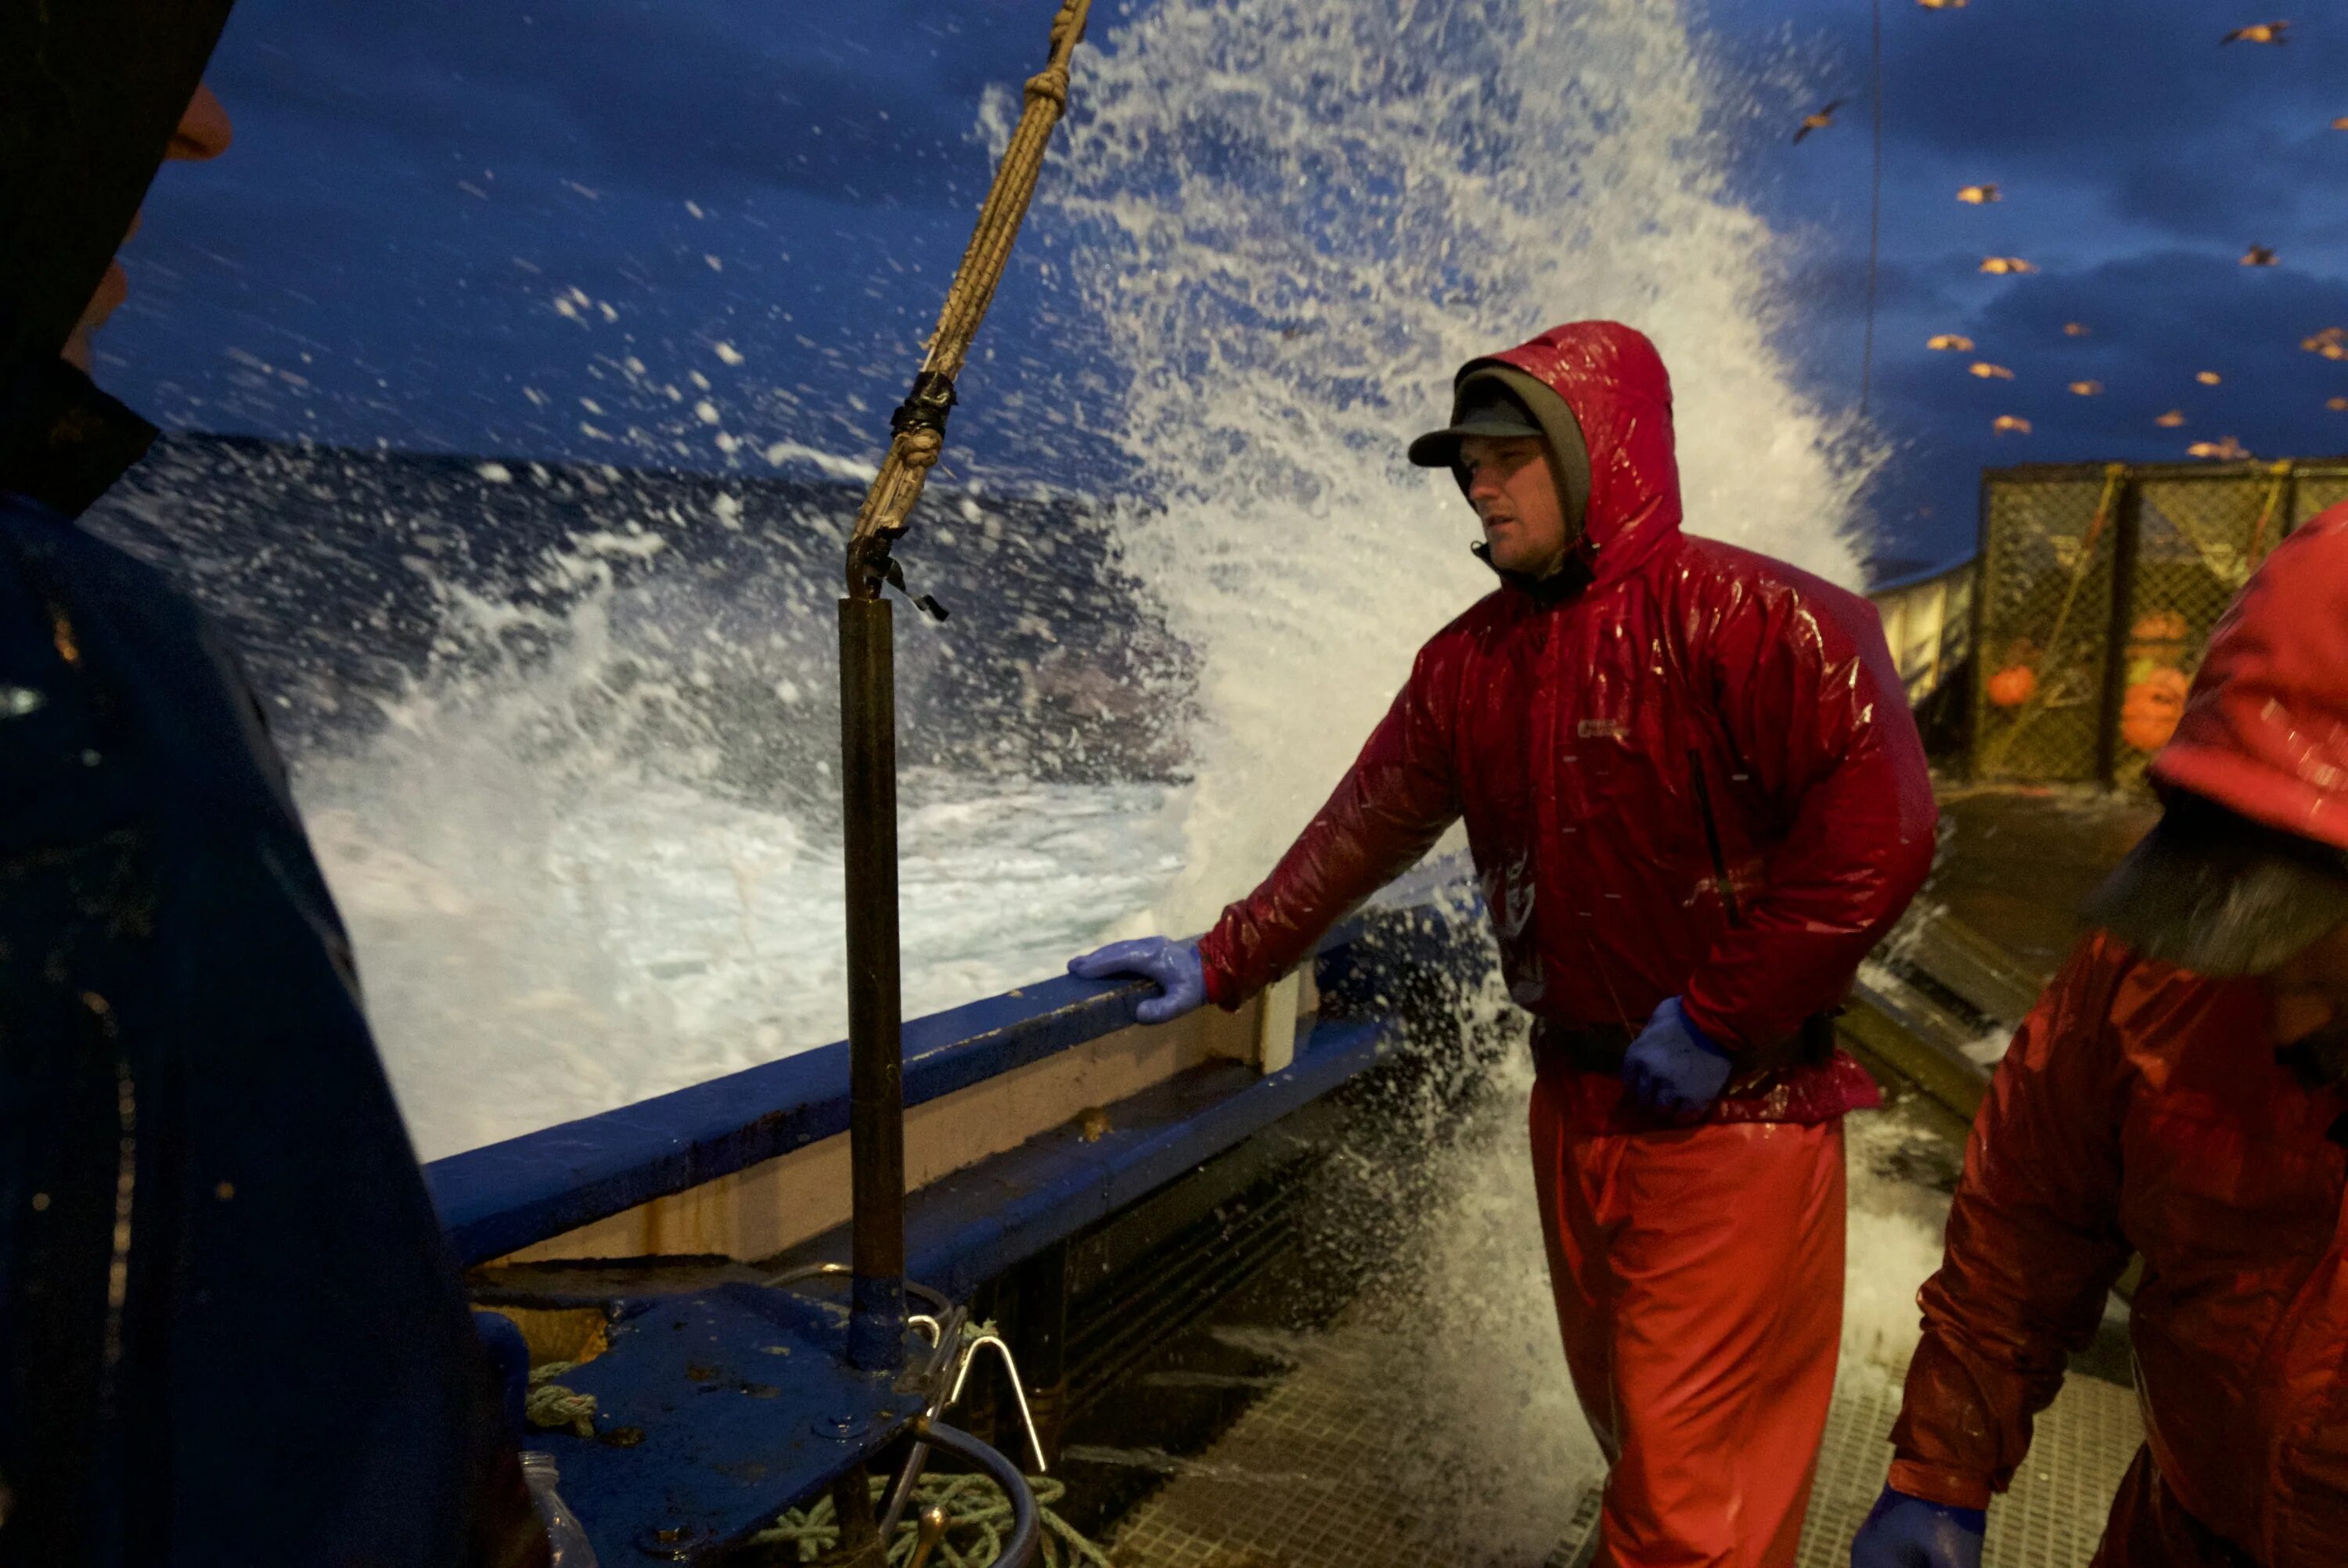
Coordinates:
<point>1514,494</point>
<point>202,132</point>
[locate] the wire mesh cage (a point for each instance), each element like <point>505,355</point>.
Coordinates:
<point>2099,588</point>
<point>2045,608</point>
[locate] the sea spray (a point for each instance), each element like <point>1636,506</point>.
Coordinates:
<point>582,826</point>
<point>1290,221</point>
<point>565,736</point>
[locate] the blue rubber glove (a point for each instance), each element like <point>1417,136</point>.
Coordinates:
<point>1671,1068</point>
<point>1173,964</point>
<point>1905,1532</point>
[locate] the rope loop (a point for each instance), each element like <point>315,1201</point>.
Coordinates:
<point>920,447</point>
<point>550,1405</point>
<point>1050,83</point>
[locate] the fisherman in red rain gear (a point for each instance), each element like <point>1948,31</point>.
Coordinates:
<point>2180,1092</point>
<point>1696,799</point>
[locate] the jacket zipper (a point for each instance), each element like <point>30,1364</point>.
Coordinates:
<point>1712,834</point>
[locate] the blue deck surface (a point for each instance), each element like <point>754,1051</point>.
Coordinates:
<point>733,1403</point>
<point>718,1410</point>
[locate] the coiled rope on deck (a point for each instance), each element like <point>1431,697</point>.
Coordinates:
<point>978,1520</point>
<point>552,1406</point>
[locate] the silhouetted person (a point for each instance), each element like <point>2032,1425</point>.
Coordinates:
<point>231,1330</point>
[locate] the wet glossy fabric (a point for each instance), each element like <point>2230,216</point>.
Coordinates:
<point>231,1330</point>
<point>2140,1107</point>
<point>2265,729</point>
<point>1697,775</point>
<point>2148,1528</point>
<point>1702,1345</point>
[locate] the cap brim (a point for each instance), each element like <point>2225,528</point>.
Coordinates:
<point>2218,902</point>
<point>1440,448</point>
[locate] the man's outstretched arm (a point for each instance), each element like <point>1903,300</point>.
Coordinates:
<point>1396,801</point>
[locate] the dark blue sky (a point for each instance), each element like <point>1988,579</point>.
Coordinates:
<point>451,226</point>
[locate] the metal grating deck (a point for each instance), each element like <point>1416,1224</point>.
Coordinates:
<point>1283,1488</point>
<point>1296,1481</point>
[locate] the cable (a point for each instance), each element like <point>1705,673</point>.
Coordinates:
<point>1875,210</point>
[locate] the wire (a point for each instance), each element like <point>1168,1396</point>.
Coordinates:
<point>1875,209</point>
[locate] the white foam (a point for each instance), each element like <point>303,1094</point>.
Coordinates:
<point>1287,221</point>
<point>1292,219</point>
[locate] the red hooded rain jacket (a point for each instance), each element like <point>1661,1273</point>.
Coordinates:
<point>1697,775</point>
<point>2142,1108</point>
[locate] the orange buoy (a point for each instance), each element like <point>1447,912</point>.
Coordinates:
<point>2150,709</point>
<point>2012,686</point>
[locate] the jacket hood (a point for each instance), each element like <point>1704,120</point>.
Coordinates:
<point>85,120</point>
<point>1613,381</point>
<point>2265,729</point>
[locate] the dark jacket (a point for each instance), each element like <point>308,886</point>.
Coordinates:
<point>1686,769</point>
<point>231,1331</point>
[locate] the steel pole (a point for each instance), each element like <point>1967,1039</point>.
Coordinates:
<point>875,1115</point>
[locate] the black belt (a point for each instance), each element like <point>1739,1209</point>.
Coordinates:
<point>1600,1047</point>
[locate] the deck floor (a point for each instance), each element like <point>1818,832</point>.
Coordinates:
<point>2016,864</point>
<point>1293,1483</point>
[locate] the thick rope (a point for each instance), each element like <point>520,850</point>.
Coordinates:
<point>978,1520</point>
<point>921,425</point>
<point>2257,552</point>
<point>550,1405</point>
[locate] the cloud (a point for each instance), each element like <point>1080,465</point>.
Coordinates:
<point>2129,103</point>
<point>872,102</point>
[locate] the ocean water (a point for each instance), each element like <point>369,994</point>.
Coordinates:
<point>564,734</point>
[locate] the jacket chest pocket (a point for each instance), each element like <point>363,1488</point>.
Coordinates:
<point>1650,787</point>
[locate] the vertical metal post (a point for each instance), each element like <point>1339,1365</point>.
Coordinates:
<point>1042,1339</point>
<point>1977,680</point>
<point>876,1116</point>
<point>2126,523</point>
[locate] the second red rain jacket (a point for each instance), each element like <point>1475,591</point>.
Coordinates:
<point>1692,772</point>
<point>2141,1108</point>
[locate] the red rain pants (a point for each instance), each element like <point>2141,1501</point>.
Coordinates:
<point>1699,1281</point>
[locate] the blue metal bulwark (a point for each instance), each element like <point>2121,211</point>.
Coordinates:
<point>720,1407</point>
<point>502,1197</point>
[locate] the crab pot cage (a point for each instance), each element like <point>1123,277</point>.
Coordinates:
<point>2099,586</point>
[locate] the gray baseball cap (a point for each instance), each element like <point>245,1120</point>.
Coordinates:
<point>1485,407</point>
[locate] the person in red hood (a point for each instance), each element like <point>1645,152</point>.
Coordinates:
<point>2178,1092</point>
<point>1696,798</point>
